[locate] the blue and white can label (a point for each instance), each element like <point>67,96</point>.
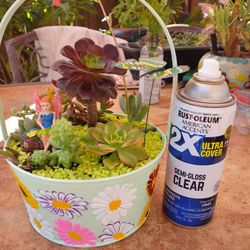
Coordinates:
<point>198,144</point>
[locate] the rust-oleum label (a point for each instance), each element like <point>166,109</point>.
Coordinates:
<point>197,147</point>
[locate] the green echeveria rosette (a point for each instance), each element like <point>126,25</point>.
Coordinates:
<point>119,142</point>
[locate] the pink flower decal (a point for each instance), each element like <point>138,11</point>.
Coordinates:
<point>74,234</point>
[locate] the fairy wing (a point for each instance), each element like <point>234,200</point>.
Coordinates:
<point>37,99</point>
<point>146,64</point>
<point>57,103</point>
<point>166,73</point>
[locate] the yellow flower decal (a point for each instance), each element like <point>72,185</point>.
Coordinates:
<point>27,196</point>
<point>145,213</point>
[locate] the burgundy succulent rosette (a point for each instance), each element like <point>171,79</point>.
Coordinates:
<point>86,74</point>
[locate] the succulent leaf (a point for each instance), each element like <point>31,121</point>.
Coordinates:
<point>136,109</point>
<point>111,161</point>
<point>122,104</point>
<point>93,149</point>
<point>21,126</point>
<point>7,154</point>
<point>111,127</point>
<point>141,113</point>
<point>28,124</point>
<point>97,134</point>
<point>139,102</point>
<point>106,149</point>
<point>134,139</point>
<point>127,156</point>
<point>132,104</point>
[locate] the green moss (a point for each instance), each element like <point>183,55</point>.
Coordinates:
<point>113,117</point>
<point>23,156</point>
<point>120,118</point>
<point>91,167</point>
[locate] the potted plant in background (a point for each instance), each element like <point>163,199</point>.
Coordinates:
<point>190,44</point>
<point>131,13</point>
<point>133,18</point>
<point>230,21</point>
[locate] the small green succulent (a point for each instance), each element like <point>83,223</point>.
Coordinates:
<point>23,112</point>
<point>136,110</point>
<point>66,144</point>
<point>26,123</point>
<point>39,157</point>
<point>121,142</point>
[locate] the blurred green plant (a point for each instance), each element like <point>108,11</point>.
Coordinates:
<point>230,21</point>
<point>132,14</point>
<point>36,13</point>
<point>189,39</point>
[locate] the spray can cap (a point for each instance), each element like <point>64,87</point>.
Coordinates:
<point>210,69</point>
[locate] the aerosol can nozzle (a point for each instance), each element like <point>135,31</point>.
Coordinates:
<point>210,69</point>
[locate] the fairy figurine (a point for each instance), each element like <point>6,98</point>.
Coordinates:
<point>49,108</point>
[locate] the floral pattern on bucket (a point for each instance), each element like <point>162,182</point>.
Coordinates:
<point>151,181</point>
<point>74,234</point>
<point>40,224</point>
<point>26,194</point>
<point>59,203</point>
<point>116,231</point>
<point>113,203</point>
<point>145,213</point>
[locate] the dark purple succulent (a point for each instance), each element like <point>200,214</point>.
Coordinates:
<point>86,74</point>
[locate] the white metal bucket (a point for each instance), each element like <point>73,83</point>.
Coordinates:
<point>87,213</point>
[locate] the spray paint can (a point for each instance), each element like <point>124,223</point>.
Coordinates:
<point>202,119</point>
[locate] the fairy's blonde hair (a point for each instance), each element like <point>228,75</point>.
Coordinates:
<point>48,97</point>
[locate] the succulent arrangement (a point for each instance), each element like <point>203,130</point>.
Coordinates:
<point>71,133</point>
